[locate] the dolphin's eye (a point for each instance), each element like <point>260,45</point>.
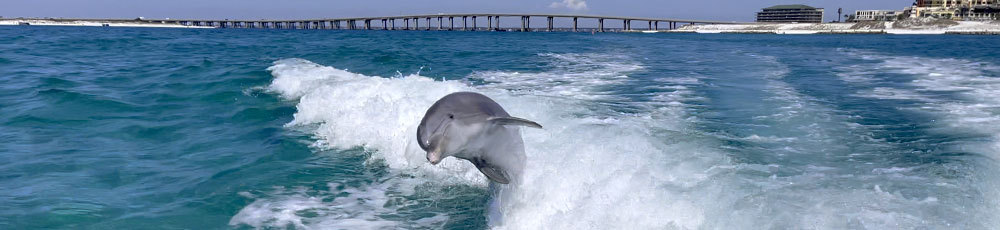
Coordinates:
<point>451,116</point>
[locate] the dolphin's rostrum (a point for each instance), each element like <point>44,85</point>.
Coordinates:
<point>473,127</point>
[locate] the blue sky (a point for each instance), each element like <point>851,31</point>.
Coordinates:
<point>725,10</point>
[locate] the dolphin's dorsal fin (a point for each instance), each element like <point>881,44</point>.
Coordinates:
<point>492,172</point>
<point>514,121</point>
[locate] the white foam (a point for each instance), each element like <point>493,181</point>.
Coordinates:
<point>579,76</point>
<point>591,167</point>
<point>979,106</point>
<point>822,178</point>
<point>585,170</point>
<point>360,208</point>
<point>888,93</point>
<point>377,113</point>
<point>965,96</point>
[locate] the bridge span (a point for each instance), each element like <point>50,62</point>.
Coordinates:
<point>430,22</point>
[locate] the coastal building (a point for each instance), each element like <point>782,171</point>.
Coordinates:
<point>876,15</point>
<point>791,13</point>
<point>956,9</point>
<point>952,3</point>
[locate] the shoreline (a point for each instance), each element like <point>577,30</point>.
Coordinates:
<point>924,26</point>
<point>92,23</point>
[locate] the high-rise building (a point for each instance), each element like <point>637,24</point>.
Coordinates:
<point>791,13</point>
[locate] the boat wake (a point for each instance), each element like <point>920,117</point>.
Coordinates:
<point>589,168</point>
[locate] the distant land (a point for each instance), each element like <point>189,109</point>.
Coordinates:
<point>906,26</point>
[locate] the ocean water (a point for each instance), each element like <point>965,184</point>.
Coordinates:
<point>131,128</point>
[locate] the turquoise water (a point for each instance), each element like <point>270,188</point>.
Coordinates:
<point>119,128</point>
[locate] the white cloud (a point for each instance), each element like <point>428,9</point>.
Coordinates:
<point>571,4</point>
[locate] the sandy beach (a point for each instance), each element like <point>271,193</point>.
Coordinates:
<point>46,22</point>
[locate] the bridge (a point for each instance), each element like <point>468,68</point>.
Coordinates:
<point>413,22</point>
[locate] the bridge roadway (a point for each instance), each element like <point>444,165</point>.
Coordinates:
<point>389,22</point>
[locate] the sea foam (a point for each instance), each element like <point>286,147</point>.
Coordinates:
<point>963,95</point>
<point>589,168</point>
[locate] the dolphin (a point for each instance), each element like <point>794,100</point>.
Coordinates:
<point>473,127</point>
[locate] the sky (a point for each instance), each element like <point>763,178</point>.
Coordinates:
<point>721,10</point>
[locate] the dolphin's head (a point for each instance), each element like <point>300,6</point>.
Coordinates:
<point>433,134</point>
<point>446,129</point>
<point>443,135</point>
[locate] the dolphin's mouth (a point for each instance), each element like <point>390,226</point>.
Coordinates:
<point>437,147</point>
<point>434,156</point>
<point>433,160</point>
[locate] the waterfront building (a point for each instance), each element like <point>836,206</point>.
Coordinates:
<point>791,13</point>
<point>876,15</point>
<point>953,3</point>
<point>956,9</point>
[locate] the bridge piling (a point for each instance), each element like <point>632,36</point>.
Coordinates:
<point>474,28</point>
<point>600,25</point>
<point>524,21</point>
<point>465,23</point>
<point>575,29</point>
<point>451,20</point>
<point>550,19</point>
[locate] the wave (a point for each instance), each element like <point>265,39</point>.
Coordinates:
<point>963,96</point>
<point>589,168</point>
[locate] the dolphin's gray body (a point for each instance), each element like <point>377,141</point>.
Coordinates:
<point>473,127</point>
